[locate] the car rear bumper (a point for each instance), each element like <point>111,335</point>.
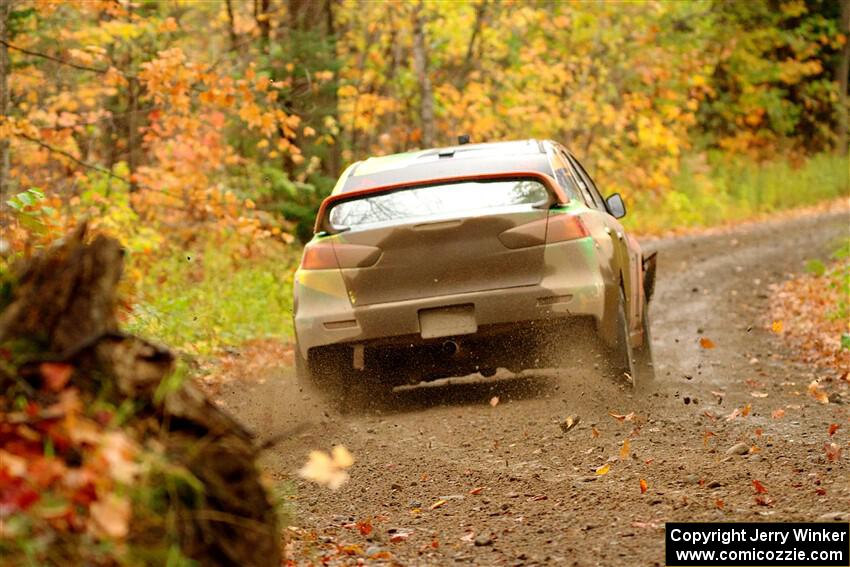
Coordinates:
<point>325,314</point>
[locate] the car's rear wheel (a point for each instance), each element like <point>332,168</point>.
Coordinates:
<point>642,362</point>
<point>622,357</point>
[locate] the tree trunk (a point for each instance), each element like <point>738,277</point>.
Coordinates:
<point>426,92</point>
<point>5,11</point>
<point>842,72</point>
<point>231,25</point>
<point>261,15</point>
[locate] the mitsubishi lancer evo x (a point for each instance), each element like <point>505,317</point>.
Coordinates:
<point>466,259</point>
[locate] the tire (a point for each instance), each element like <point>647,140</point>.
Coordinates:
<point>622,357</point>
<point>642,362</point>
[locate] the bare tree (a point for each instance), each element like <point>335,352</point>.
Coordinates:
<point>420,64</point>
<point>842,71</point>
<point>5,12</point>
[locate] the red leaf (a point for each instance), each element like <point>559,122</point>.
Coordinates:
<point>833,452</point>
<point>760,489</point>
<point>706,343</point>
<point>365,527</point>
<point>833,427</point>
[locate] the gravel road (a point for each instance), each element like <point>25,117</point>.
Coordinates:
<point>443,477</point>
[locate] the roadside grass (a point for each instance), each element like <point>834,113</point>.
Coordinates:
<point>721,190</point>
<point>219,295</point>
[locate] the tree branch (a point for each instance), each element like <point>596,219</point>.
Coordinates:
<point>54,59</point>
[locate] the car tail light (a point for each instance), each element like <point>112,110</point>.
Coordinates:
<point>319,256</point>
<point>565,227</point>
<point>328,255</point>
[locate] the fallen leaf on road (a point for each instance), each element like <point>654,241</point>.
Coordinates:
<point>763,500</point>
<point>776,327</point>
<point>364,527</point>
<point>758,394</point>
<point>705,437</point>
<point>437,504</point>
<point>833,427</point>
<point>624,450</point>
<point>817,393</point>
<point>570,422</point>
<point>399,536</point>
<point>494,401</point>
<point>594,432</point>
<point>778,413</point>
<point>745,411</point>
<point>735,413</point>
<point>476,490</point>
<point>628,417</point>
<point>603,470</point>
<point>760,489</point>
<point>643,486</point>
<point>706,343</point>
<point>719,503</point>
<point>833,452</point>
<point>468,537</point>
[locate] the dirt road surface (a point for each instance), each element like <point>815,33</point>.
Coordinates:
<point>442,477</point>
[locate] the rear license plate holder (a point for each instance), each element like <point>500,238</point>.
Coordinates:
<point>447,321</point>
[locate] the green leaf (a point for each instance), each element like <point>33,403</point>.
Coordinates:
<point>845,340</point>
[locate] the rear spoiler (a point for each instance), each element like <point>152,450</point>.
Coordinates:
<point>322,224</point>
<point>649,263</point>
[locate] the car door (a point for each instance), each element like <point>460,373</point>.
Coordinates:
<point>628,257</point>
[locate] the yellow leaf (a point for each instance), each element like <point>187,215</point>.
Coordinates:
<point>603,470</point>
<point>777,327</point>
<point>437,504</point>
<point>624,450</point>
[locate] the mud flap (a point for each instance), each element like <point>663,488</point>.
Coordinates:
<point>649,263</point>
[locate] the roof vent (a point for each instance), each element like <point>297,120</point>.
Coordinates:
<point>463,139</point>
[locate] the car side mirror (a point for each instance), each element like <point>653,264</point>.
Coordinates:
<point>616,206</point>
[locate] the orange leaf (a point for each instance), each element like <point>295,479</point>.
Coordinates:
<point>643,486</point>
<point>817,393</point>
<point>706,343</point>
<point>706,436</point>
<point>476,490</point>
<point>776,327</point>
<point>624,450</point>
<point>745,411</point>
<point>833,427</point>
<point>719,503</point>
<point>55,374</point>
<point>594,432</point>
<point>494,401</point>
<point>833,452</point>
<point>760,489</point>
<point>778,413</point>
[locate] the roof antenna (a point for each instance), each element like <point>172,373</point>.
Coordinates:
<point>462,139</point>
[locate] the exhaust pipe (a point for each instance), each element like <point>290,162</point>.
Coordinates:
<point>450,348</point>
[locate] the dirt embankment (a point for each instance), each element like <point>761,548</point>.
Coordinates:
<point>443,477</point>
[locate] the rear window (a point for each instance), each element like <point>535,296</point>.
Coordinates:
<point>437,202</point>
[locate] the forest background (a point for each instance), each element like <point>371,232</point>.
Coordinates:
<point>203,135</point>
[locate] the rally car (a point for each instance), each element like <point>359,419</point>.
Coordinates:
<point>466,259</point>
